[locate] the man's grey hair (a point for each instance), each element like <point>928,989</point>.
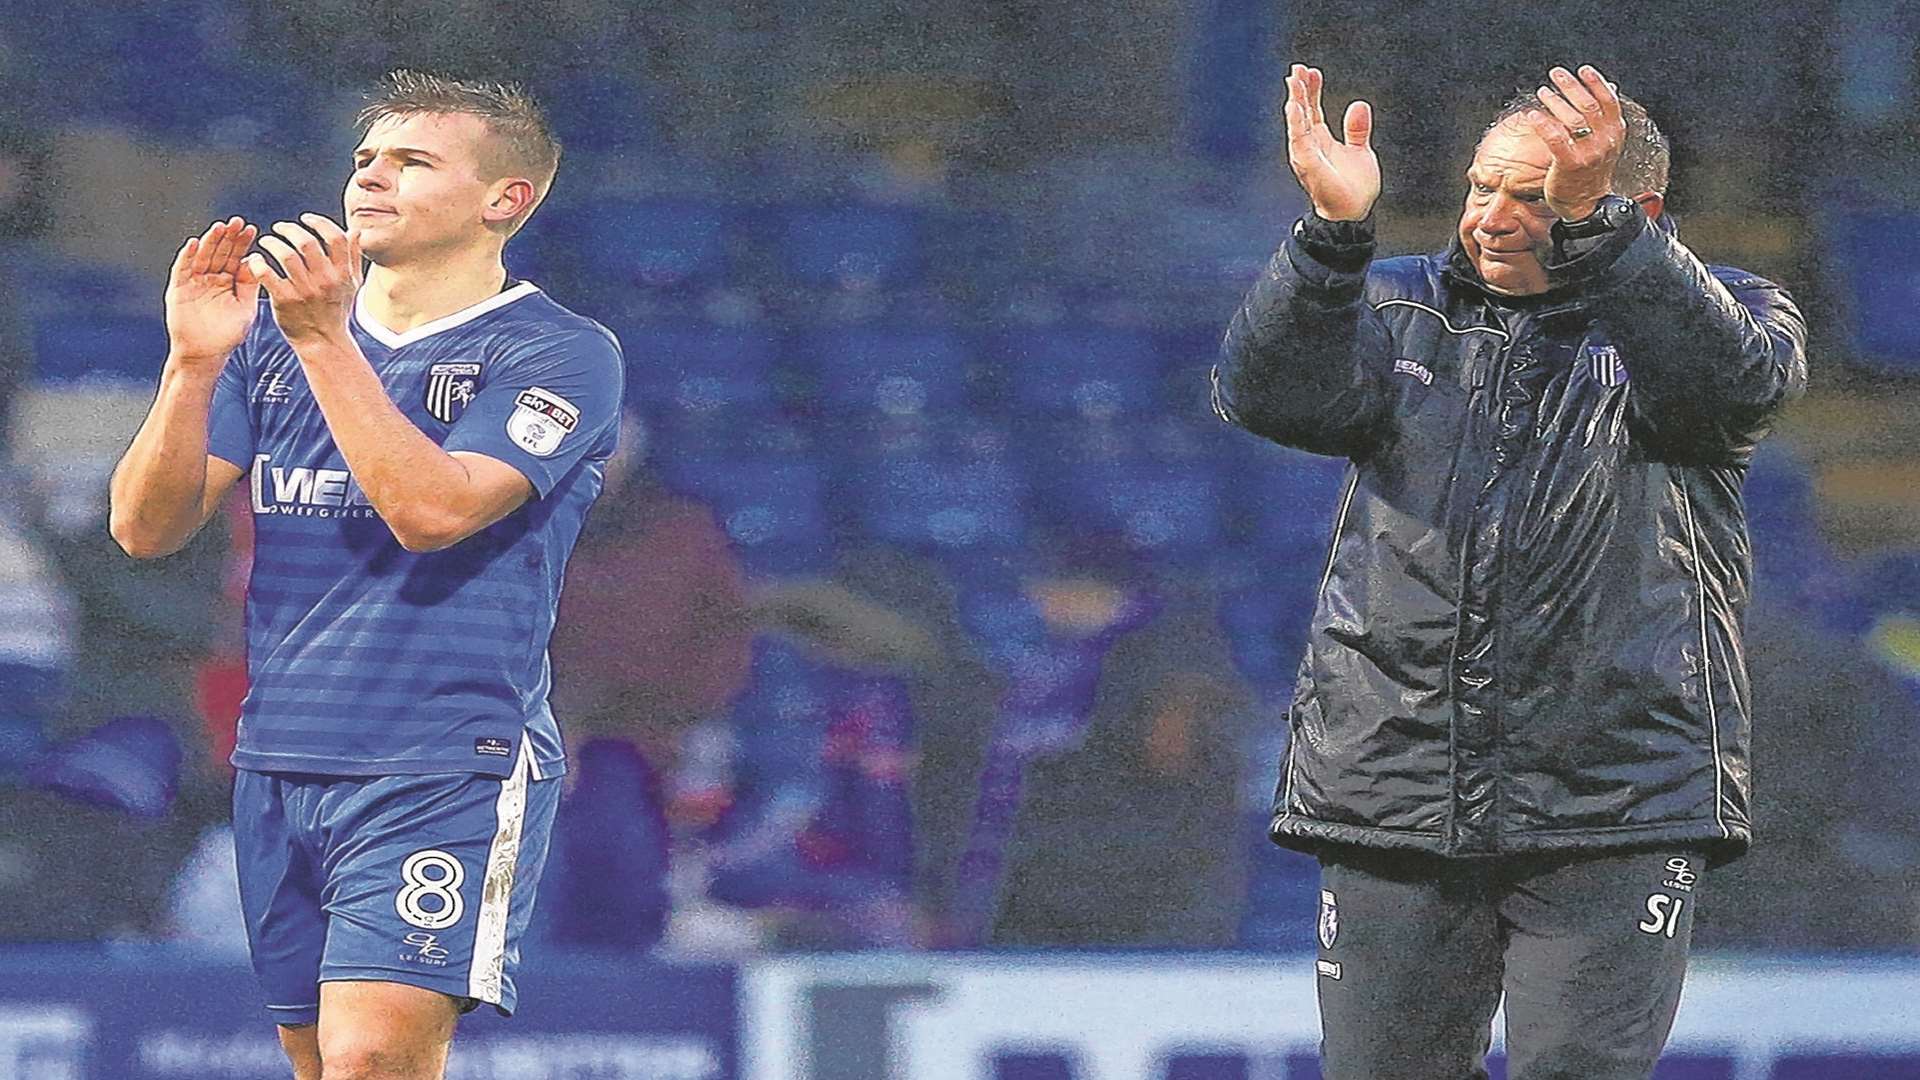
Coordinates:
<point>1644,159</point>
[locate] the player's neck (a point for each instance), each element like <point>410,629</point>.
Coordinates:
<point>400,298</point>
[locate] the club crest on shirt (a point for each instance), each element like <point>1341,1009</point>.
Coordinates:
<point>1604,366</point>
<point>450,389</point>
<point>541,418</point>
<point>1329,920</point>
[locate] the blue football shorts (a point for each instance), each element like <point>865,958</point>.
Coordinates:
<point>423,880</point>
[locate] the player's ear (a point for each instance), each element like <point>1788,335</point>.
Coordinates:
<point>510,198</point>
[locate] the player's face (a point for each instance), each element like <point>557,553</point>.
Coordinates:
<point>1506,223</point>
<point>418,187</point>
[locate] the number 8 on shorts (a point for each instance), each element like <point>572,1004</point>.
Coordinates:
<point>430,899</point>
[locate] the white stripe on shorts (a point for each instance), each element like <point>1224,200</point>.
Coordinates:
<point>496,892</point>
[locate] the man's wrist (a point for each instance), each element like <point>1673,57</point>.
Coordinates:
<point>193,366</point>
<point>1606,215</point>
<point>1577,211</point>
<point>323,345</point>
<point>1344,246</point>
<point>1580,250</point>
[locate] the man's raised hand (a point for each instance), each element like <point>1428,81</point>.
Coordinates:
<point>210,301</point>
<point>1341,178</point>
<point>319,275</point>
<point>1580,121</point>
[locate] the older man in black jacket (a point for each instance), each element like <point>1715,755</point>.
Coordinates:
<point>1520,733</point>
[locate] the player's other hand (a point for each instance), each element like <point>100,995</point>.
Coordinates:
<point>313,288</point>
<point>1342,178</point>
<point>210,304</point>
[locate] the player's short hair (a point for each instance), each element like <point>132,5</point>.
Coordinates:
<point>525,141</point>
<point>1644,159</point>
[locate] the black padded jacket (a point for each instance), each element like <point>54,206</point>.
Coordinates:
<point>1528,632</point>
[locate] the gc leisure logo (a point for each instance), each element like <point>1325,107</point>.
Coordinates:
<point>424,948</point>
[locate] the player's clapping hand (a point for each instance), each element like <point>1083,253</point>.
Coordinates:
<point>1584,131</point>
<point>1342,178</point>
<point>210,303</point>
<point>312,291</point>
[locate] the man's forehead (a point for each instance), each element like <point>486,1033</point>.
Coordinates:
<point>1510,150</point>
<point>441,133</point>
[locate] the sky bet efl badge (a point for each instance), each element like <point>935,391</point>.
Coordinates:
<point>541,418</point>
<point>450,389</point>
<point>1329,920</point>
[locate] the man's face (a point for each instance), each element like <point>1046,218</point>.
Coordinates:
<point>418,187</point>
<point>1506,223</point>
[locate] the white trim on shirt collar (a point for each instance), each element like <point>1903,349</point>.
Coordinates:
<point>446,322</point>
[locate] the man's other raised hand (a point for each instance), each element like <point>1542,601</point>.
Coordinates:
<point>210,302</point>
<point>1341,178</point>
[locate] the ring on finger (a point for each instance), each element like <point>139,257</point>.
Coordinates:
<point>1581,132</point>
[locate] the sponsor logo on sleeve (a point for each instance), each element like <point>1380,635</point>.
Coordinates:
<point>540,420</point>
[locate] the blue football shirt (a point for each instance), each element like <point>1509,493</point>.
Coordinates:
<point>366,659</point>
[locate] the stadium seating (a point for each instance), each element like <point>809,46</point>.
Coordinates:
<point>56,287</point>
<point>775,513</point>
<point>1873,253</point>
<point>866,370</point>
<point>1845,1066</point>
<point>1293,498</point>
<point>940,506</point>
<point>655,243</point>
<point>262,206</point>
<point>1034,1065</point>
<point>1266,627</point>
<point>100,348</point>
<point>1202,1066</point>
<point>605,882</point>
<point>610,111</point>
<point>1091,372</point>
<point>848,246</point>
<point>1169,511</point>
<point>1004,623</point>
<point>698,368</point>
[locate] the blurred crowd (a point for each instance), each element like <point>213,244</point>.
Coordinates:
<point>927,605</point>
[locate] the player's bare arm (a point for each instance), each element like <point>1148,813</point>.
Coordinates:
<point>430,498</point>
<point>166,486</point>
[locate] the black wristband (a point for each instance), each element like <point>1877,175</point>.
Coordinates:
<point>1345,246</point>
<point>1581,250</point>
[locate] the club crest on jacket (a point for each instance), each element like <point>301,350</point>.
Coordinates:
<point>1604,366</point>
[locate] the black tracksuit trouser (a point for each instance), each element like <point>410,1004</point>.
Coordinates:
<point>1589,950</point>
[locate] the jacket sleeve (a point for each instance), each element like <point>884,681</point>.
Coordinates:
<point>1711,360</point>
<point>1300,364</point>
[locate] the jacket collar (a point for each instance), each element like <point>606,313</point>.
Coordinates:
<point>1460,270</point>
